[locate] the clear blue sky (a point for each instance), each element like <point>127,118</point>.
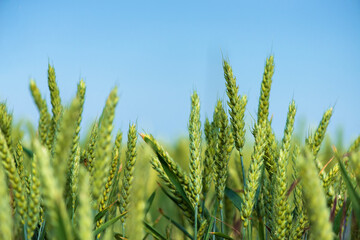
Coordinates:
<point>158,52</point>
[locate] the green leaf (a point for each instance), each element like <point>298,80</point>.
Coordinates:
<point>100,214</point>
<point>353,195</point>
<point>181,228</point>
<point>234,197</point>
<point>154,232</point>
<point>219,234</point>
<point>102,227</point>
<point>28,151</point>
<point>337,221</point>
<point>149,202</point>
<point>212,220</point>
<point>41,232</point>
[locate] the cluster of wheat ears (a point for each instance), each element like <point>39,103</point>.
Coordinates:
<point>58,187</point>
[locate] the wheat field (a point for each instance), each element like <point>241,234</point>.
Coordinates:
<point>58,185</point>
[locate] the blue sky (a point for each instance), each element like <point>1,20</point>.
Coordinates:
<point>158,52</point>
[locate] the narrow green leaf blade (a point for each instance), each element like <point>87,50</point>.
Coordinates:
<point>212,220</point>
<point>100,214</point>
<point>219,234</point>
<point>149,202</point>
<point>107,224</point>
<point>180,227</point>
<point>338,217</point>
<point>234,197</point>
<point>154,232</point>
<point>353,195</point>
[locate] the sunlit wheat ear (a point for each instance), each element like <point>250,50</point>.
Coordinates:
<point>271,152</point>
<point>208,161</point>
<point>113,184</point>
<point>44,125</point>
<point>6,219</point>
<point>195,144</point>
<point>6,125</point>
<point>56,105</point>
<point>74,157</point>
<point>237,106</point>
<point>315,141</point>
<point>254,172</point>
<point>103,147</point>
<point>211,135</point>
<point>8,163</point>
<point>45,118</point>
<point>128,172</point>
<point>90,148</point>
<point>35,92</point>
<point>281,212</point>
<point>63,143</point>
<point>195,152</point>
<point>315,199</point>
<point>263,108</point>
<point>225,146</point>
<point>19,162</point>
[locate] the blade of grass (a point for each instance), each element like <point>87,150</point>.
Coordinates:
<point>337,220</point>
<point>149,202</point>
<point>107,224</point>
<point>353,195</point>
<point>154,232</point>
<point>234,197</point>
<point>181,228</point>
<point>212,220</point>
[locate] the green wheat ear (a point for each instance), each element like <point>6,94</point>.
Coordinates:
<point>315,198</point>
<point>315,141</point>
<point>207,174</point>
<point>128,172</point>
<point>63,142</point>
<point>103,147</point>
<point>263,109</point>
<point>6,219</point>
<point>281,213</point>
<point>195,144</point>
<point>45,118</point>
<point>195,153</point>
<point>6,125</point>
<point>56,105</point>
<point>254,172</point>
<point>237,106</point>
<point>225,146</point>
<point>8,163</point>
